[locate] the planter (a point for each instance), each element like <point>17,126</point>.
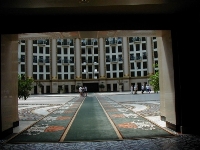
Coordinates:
<point>120,88</point>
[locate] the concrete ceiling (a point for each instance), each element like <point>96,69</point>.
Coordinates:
<point>44,7</point>
<point>83,8</point>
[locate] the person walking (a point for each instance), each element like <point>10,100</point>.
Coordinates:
<point>135,89</point>
<point>142,89</point>
<point>131,89</point>
<point>85,89</point>
<point>80,91</point>
<point>147,88</point>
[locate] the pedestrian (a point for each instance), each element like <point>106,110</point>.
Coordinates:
<point>142,89</point>
<point>147,88</point>
<point>131,89</point>
<point>85,88</point>
<point>135,89</point>
<point>83,91</point>
<point>80,91</point>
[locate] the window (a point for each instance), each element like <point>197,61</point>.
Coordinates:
<point>144,65</point>
<point>41,76</point>
<point>90,68</point>
<point>59,68</point>
<point>144,55</point>
<point>71,50</point>
<point>34,68</point>
<point>114,75</point>
<point>143,46</point>
<point>132,74</point>
<point>113,49</point>
<point>107,50</point>
<point>65,68</point>
<point>107,67</point>
<point>35,59</point>
<point>131,48</point>
<point>138,65</point>
<point>47,59</point>
<point>40,68</point>
<point>22,58</point>
<point>83,51</point>
<point>143,38</point>
<point>120,67</point>
<point>65,50</point>
<point>47,69</point>
<point>145,73</point>
<point>22,48</point>
<point>22,68</point>
<point>35,76</point>
<point>139,73</point>
<point>130,39</point>
<point>155,54</point>
<point>154,45</point>
<point>58,50</point>
<point>41,50</point>
<point>119,48</point>
<point>71,76</point>
<point>114,67</point>
<point>59,76</point>
<point>65,76</point>
<point>47,42</point>
<point>34,49</point>
<point>89,51</point>
<point>58,59</point>
<point>71,68</point>
<point>137,47</point>
<point>47,50</point>
<point>95,50</point>
<point>47,77</point>
<point>132,66</point>
<point>108,75</point>
<point>121,74</point>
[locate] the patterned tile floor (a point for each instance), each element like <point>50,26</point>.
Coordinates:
<point>37,107</point>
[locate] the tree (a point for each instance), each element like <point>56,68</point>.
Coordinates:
<point>154,81</point>
<point>24,86</point>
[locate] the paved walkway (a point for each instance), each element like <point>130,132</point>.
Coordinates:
<point>37,106</point>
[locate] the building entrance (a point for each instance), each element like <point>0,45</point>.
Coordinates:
<point>92,87</point>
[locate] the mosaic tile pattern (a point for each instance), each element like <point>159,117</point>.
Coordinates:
<point>181,142</point>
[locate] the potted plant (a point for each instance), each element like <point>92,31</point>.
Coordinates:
<point>101,86</point>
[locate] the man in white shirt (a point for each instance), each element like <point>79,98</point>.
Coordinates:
<point>80,90</point>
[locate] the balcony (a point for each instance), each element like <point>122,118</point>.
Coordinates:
<point>138,58</point>
<point>41,61</point>
<point>65,44</point>
<point>41,42</point>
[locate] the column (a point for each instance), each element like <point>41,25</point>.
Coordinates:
<point>166,77</point>
<point>149,56</point>
<point>54,86</point>
<point>77,54</point>
<point>125,57</point>
<point>9,84</point>
<point>102,58</point>
<point>54,58</point>
<point>29,58</point>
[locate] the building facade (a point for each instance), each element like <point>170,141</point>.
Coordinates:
<point>65,64</point>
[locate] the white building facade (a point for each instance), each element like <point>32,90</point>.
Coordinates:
<point>69,63</point>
